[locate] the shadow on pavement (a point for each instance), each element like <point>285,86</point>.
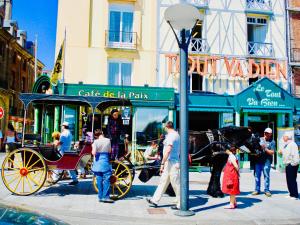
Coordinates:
<point>242,203</point>
<point>275,192</point>
<point>62,188</point>
<point>140,191</point>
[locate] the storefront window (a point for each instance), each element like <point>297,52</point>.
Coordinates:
<point>149,124</point>
<point>227,120</point>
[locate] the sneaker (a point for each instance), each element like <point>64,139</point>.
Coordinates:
<point>174,207</point>
<point>73,182</point>
<point>153,204</point>
<point>255,193</point>
<point>288,196</point>
<point>268,194</point>
<point>293,198</point>
<point>107,200</point>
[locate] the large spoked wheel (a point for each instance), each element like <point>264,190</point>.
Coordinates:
<point>24,171</point>
<point>120,180</point>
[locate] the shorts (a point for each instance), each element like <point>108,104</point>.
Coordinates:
<point>9,147</point>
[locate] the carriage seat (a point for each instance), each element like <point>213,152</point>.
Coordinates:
<point>31,139</point>
<point>50,152</point>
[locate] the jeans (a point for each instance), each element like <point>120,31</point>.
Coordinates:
<point>291,179</point>
<point>265,169</point>
<point>103,184</point>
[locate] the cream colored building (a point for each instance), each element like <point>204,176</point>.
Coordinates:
<point>108,42</point>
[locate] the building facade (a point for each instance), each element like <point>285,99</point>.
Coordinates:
<point>16,69</point>
<point>238,48</point>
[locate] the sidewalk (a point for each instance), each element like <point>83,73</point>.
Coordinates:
<point>79,205</point>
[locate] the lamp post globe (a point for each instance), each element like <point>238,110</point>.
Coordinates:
<point>183,17</point>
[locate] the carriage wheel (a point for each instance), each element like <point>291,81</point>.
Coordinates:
<point>24,171</point>
<point>120,180</point>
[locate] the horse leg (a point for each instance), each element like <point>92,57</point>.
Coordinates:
<point>214,187</point>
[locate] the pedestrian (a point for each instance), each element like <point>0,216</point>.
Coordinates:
<point>290,156</point>
<point>114,132</point>
<point>263,162</point>
<point>64,144</point>
<point>231,184</point>
<point>169,167</point>
<point>101,149</point>
<point>10,140</point>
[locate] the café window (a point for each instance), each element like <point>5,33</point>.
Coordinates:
<point>149,125</point>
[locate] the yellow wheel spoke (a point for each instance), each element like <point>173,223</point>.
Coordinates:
<point>11,174</point>
<point>121,173</point>
<point>24,159</point>
<point>113,189</point>
<point>29,176</point>
<point>34,164</point>
<point>12,180</point>
<point>30,187</point>
<point>18,184</point>
<point>23,180</point>
<point>121,192</point>
<point>126,185</point>
<point>20,166</point>
<point>36,169</point>
<point>117,168</point>
<point>29,160</point>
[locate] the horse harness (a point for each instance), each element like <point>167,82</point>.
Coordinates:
<point>216,139</point>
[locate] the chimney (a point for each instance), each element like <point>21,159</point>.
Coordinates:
<point>21,37</point>
<point>8,8</point>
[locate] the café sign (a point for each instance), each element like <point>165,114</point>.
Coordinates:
<point>265,94</point>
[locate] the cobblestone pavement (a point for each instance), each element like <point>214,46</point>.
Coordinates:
<point>79,205</point>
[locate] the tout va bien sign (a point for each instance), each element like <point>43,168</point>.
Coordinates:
<point>244,68</point>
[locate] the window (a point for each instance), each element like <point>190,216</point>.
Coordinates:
<point>149,124</point>
<point>24,65</point>
<point>121,24</point>
<point>195,82</point>
<point>257,29</point>
<point>23,84</point>
<point>14,58</point>
<point>119,73</point>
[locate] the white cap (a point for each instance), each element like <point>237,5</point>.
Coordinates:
<point>268,130</point>
<point>65,124</point>
<point>288,134</point>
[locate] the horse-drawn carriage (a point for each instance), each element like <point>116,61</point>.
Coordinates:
<point>25,170</point>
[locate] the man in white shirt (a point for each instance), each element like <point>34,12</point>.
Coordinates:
<point>290,156</point>
<point>169,167</point>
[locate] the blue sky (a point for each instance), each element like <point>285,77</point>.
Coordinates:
<point>38,17</point>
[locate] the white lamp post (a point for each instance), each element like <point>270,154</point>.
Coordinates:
<point>183,17</point>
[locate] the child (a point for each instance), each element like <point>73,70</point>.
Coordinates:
<point>230,183</point>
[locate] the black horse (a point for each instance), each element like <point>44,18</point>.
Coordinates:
<point>208,147</point>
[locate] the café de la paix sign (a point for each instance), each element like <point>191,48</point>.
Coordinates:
<point>234,67</point>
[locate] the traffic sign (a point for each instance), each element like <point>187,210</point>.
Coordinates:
<point>1,113</point>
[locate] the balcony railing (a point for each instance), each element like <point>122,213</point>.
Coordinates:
<point>199,3</point>
<point>198,45</point>
<point>264,5</point>
<point>260,49</point>
<point>295,55</point>
<point>120,39</point>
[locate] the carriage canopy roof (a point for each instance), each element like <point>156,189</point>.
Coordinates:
<point>95,102</point>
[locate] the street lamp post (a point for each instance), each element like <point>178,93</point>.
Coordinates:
<point>183,17</point>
